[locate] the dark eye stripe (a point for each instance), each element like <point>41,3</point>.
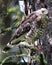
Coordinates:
<point>42,11</point>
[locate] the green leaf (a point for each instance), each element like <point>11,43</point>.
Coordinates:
<point>21,38</point>
<point>10,10</point>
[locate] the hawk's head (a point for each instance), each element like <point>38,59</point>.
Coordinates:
<point>40,12</point>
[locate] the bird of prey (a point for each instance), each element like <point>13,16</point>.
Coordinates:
<point>25,24</point>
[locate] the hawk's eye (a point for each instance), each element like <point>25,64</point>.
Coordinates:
<point>42,11</point>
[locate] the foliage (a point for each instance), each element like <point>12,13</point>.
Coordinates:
<point>16,18</point>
